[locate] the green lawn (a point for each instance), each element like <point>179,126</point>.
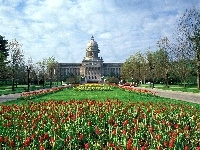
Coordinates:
<point>70,94</point>
<point>5,90</point>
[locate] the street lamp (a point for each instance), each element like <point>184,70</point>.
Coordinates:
<point>43,75</point>
<point>132,80</point>
<point>52,71</point>
<point>50,78</point>
<point>102,79</point>
<point>152,75</point>
<point>28,68</point>
<point>82,79</point>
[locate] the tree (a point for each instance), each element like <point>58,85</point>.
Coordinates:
<point>163,60</point>
<point>3,57</point>
<point>3,47</point>
<point>187,30</point>
<point>196,42</point>
<point>141,67</point>
<point>50,69</point>
<point>151,64</point>
<point>128,69</point>
<point>16,59</point>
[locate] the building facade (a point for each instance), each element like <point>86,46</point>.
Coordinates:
<point>92,68</point>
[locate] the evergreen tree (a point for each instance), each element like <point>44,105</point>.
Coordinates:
<point>3,47</point>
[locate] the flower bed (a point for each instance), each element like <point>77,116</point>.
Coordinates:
<point>91,124</point>
<point>39,93</point>
<point>137,90</point>
<point>93,87</point>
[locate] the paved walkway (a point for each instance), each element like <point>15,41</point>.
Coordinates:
<point>178,95</point>
<point>185,96</point>
<point>10,97</point>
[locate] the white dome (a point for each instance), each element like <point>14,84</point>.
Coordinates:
<point>92,43</point>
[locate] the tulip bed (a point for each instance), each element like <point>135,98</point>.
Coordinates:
<point>103,125</point>
<point>93,87</point>
<point>39,93</point>
<point>136,90</point>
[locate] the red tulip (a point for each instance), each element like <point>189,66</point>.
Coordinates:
<point>125,122</point>
<point>89,123</point>
<point>80,136</point>
<point>52,140</point>
<point>6,139</point>
<point>70,137</point>
<point>165,143</point>
<point>18,137</point>
<point>1,139</point>
<point>158,137</point>
<point>176,125</point>
<point>87,146</point>
<point>129,146</point>
<point>12,143</point>
<point>41,139</point>
<point>198,148</point>
<point>124,132</point>
<point>186,148</point>
<point>42,147</point>
<point>158,148</point>
<point>46,136</point>
<point>142,148</point>
<point>97,130</point>
<point>151,129</point>
<point>33,135</point>
<point>28,139</point>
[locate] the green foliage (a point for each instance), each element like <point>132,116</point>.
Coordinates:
<point>113,80</point>
<point>3,47</point>
<point>72,79</point>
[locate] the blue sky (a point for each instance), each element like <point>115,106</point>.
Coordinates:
<point>62,28</point>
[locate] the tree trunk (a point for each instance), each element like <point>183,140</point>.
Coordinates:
<point>184,83</point>
<point>198,77</point>
<point>13,84</point>
<point>166,80</point>
<point>198,70</point>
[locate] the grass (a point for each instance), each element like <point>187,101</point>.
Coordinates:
<point>5,90</point>
<point>70,94</point>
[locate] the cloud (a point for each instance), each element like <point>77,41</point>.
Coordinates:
<point>63,28</point>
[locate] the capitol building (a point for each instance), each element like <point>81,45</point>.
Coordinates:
<point>92,68</point>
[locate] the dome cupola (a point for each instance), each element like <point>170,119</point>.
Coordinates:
<point>92,43</point>
<point>92,49</point>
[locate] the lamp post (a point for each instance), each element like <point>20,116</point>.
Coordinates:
<point>28,68</point>
<point>51,78</point>
<point>152,75</point>
<point>61,78</point>
<point>43,75</point>
<point>102,79</point>
<point>132,81</point>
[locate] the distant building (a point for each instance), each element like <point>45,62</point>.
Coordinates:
<point>92,68</point>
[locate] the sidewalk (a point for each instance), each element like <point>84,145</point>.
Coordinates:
<point>178,95</point>
<point>9,97</point>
